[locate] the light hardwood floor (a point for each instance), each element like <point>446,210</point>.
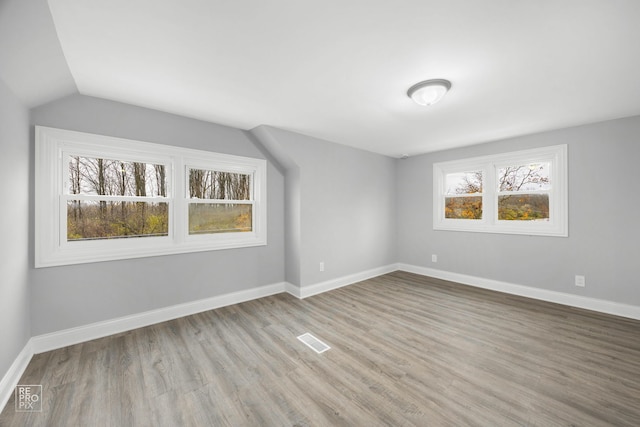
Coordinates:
<point>406,350</point>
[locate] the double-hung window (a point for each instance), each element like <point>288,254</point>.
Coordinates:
<point>523,192</point>
<point>219,201</point>
<point>100,198</point>
<point>105,198</point>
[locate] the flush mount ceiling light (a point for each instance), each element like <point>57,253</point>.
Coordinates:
<point>429,92</point>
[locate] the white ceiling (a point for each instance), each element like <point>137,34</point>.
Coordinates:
<point>339,69</point>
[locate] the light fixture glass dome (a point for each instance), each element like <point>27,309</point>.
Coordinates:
<point>429,92</point>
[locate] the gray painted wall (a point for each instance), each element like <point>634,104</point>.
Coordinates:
<point>604,234</point>
<point>15,328</point>
<point>70,296</point>
<point>264,137</point>
<point>341,205</point>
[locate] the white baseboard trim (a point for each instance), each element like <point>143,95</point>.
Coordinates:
<point>55,340</point>
<point>318,288</point>
<point>292,289</point>
<point>603,306</point>
<point>11,378</point>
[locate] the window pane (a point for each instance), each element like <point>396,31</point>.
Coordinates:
<point>463,207</point>
<point>524,207</point>
<point>463,183</point>
<point>530,177</point>
<point>207,218</point>
<point>210,184</point>
<point>92,220</point>
<point>88,175</point>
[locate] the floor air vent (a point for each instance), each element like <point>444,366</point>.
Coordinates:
<point>313,342</point>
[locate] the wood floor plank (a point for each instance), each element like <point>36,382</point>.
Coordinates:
<point>406,350</point>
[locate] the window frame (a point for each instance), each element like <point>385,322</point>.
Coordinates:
<point>557,225</point>
<point>53,146</point>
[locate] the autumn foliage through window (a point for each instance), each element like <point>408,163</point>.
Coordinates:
<point>522,192</point>
<point>464,195</point>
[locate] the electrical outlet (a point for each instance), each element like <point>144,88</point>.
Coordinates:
<point>434,258</point>
<point>322,266</point>
<point>580,281</point>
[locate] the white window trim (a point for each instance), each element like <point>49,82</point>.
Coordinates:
<point>558,201</point>
<point>51,246</point>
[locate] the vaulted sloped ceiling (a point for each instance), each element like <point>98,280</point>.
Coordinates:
<point>338,70</point>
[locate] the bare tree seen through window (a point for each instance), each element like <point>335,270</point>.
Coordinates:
<point>522,193</point>
<point>93,217</point>
<point>217,215</point>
